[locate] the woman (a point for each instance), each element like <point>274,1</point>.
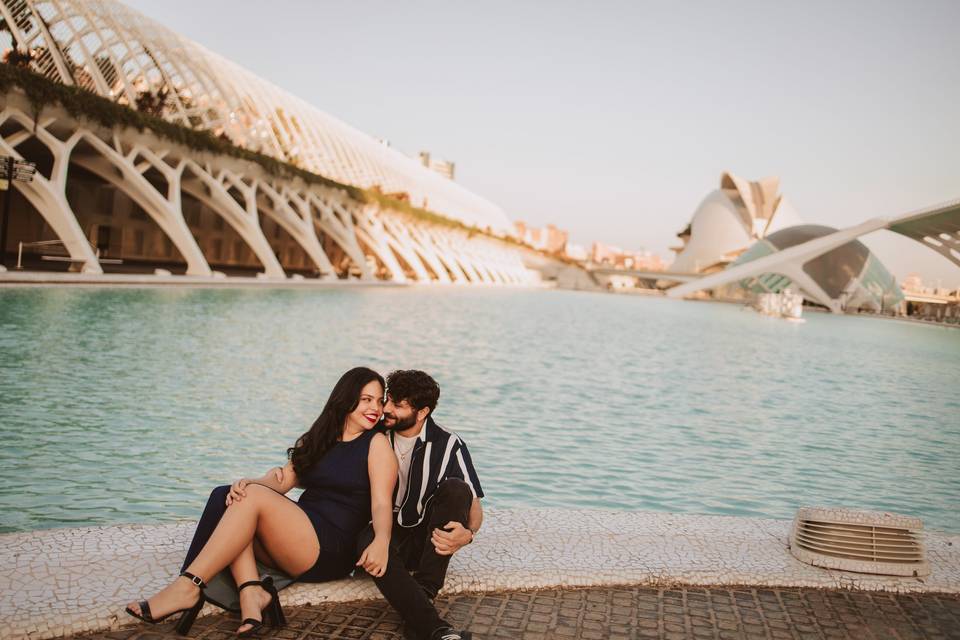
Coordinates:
<point>348,471</point>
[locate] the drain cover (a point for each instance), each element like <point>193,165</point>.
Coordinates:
<point>862,541</point>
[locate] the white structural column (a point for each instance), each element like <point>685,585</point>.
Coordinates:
<point>445,241</point>
<point>164,209</point>
<point>449,261</point>
<point>375,239</point>
<point>491,258</point>
<point>375,226</point>
<point>403,235</point>
<point>49,197</point>
<point>426,243</point>
<point>467,250</point>
<point>340,229</point>
<point>298,225</point>
<point>243,219</point>
<point>422,238</point>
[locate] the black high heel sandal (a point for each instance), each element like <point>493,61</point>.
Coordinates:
<point>189,614</point>
<point>273,611</point>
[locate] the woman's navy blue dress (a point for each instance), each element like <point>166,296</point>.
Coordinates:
<point>336,499</point>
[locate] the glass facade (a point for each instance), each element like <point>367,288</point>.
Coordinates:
<point>849,273</point>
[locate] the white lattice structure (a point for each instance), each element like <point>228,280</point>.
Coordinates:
<point>107,48</point>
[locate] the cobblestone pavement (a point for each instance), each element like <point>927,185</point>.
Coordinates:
<point>618,614</point>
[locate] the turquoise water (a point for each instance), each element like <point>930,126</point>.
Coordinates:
<point>129,405</point>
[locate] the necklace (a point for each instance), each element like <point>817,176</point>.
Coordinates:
<point>403,452</point>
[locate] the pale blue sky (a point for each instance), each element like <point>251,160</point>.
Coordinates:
<point>614,119</point>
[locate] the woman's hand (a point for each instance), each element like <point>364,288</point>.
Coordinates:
<point>238,491</point>
<point>374,557</point>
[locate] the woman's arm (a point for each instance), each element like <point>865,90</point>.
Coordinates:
<point>382,467</point>
<point>280,479</point>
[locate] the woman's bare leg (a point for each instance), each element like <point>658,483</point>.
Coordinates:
<point>284,530</point>
<point>252,599</point>
<point>261,554</point>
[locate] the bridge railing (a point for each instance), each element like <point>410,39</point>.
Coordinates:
<point>59,257</point>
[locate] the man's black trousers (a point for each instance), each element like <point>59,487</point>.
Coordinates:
<point>411,550</point>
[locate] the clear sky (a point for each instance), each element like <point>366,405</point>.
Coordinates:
<point>614,119</point>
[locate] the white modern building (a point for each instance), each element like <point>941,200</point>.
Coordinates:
<point>831,266</point>
<point>729,220</point>
<point>145,198</point>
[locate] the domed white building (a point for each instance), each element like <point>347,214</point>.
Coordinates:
<point>731,219</point>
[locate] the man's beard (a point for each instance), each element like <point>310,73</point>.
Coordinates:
<point>401,424</point>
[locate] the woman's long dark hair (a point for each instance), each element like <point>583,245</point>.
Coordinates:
<point>328,427</point>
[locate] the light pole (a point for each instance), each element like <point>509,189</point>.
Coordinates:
<point>11,169</point>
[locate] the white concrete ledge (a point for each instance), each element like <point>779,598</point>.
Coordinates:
<point>59,278</point>
<point>11,279</point>
<point>61,581</point>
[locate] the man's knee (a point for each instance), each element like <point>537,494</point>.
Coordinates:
<point>454,491</point>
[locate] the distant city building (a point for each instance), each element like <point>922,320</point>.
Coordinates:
<point>577,252</point>
<point>601,253</point>
<point>939,304</point>
<point>604,254</point>
<point>439,165</point>
<point>913,284</point>
<point>549,239</point>
<point>555,240</point>
<point>729,220</point>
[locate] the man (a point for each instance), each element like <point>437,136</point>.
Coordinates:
<point>436,507</point>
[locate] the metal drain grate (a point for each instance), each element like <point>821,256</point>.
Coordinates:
<point>861,541</point>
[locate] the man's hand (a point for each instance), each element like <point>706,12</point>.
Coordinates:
<point>447,542</point>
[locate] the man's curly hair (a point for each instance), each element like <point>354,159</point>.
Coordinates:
<point>416,387</point>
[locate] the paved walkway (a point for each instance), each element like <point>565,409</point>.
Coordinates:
<point>621,614</point>
<point>62,581</point>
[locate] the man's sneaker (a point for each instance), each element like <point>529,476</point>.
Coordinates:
<point>449,633</point>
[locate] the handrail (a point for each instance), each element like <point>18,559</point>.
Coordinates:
<point>50,243</point>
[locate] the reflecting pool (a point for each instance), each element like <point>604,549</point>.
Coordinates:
<point>128,405</point>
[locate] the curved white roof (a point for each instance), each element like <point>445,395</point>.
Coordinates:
<point>715,231</point>
<point>112,50</point>
<point>731,218</point>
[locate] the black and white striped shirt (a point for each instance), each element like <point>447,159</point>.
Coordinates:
<point>437,455</point>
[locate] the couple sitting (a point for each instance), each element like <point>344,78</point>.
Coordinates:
<point>401,495</point>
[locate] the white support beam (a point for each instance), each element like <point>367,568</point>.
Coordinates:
<point>785,262</point>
